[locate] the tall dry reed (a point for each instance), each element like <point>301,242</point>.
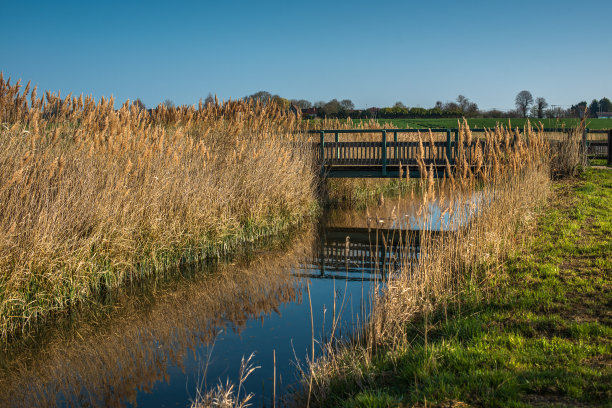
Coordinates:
<point>93,198</point>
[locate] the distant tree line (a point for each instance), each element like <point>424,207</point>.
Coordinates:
<point>539,108</point>
<point>526,106</point>
<point>595,109</point>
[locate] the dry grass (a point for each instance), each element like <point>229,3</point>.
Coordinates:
<point>567,153</point>
<point>227,395</point>
<point>93,198</point>
<point>496,188</point>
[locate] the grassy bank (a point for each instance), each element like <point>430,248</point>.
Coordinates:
<point>537,331</point>
<point>599,162</point>
<point>94,198</point>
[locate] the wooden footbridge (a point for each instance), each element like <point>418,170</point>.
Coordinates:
<point>385,155</point>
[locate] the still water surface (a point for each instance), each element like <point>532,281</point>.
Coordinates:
<point>155,349</point>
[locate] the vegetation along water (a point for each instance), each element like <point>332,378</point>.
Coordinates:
<point>487,286</point>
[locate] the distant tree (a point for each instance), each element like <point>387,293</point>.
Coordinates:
<point>139,104</point>
<point>210,100</point>
<point>281,102</point>
<point>472,109</point>
<point>417,112</point>
<point>451,106</point>
<point>398,110</point>
<point>537,110</point>
<point>439,105</point>
<point>594,108</point>
<point>605,105</point>
<point>168,104</point>
<point>319,104</point>
<point>436,112</point>
<point>523,100</point>
<point>347,105</point>
<point>494,113</point>
<point>514,113</point>
<point>261,96</point>
<point>467,107</point>
<point>551,113</point>
<point>463,103</point>
<point>332,108</point>
<point>579,109</point>
<point>557,112</point>
<point>301,103</point>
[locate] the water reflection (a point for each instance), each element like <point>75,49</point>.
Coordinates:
<point>113,361</point>
<point>153,350</point>
<point>449,211</point>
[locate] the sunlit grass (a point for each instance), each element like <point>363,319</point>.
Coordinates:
<point>536,332</point>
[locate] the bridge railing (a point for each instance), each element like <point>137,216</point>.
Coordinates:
<point>600,148</point>
<point>390,151</point>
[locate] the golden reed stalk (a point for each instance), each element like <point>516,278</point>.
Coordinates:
<point>93,197</point>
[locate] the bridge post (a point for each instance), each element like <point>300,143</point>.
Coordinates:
<point>610,147</point>
<point>337,139</point>
<point>384,153</point>
<point>395,152</point>
<point>456,145</point>
<point>585,148</point>
<point>449,153</point>
<point>322,152</point>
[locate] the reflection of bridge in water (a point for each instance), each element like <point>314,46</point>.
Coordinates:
<point>361,253</point>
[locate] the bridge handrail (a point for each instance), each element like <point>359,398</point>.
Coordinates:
<point>451,147</point>
<point>437,130</point>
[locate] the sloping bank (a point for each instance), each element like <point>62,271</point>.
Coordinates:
<point>535,329</point>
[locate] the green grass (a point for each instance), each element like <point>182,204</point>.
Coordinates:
<point>599,162</point>
<point>490,122</point>
<point>539,334</point>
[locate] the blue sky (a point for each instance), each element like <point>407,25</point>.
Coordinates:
<point>374,53</point>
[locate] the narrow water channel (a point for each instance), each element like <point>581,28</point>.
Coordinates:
<point>156,349</point>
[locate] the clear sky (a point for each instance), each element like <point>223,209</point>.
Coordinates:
<point>374,53</point>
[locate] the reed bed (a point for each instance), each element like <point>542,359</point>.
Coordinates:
<point>94,198</point>
<point>491,195</point>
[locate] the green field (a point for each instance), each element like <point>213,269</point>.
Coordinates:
<point>491,122</point>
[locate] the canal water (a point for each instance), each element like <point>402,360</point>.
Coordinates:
<point>155,346</point>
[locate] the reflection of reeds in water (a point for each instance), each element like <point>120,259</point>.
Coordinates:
<point>510,175</point>
<point>105,364</point>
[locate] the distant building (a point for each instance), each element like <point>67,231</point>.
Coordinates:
<point>309,113</point>
<point>604,115</point>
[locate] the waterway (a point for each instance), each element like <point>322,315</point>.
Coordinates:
<point>155,346</point>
